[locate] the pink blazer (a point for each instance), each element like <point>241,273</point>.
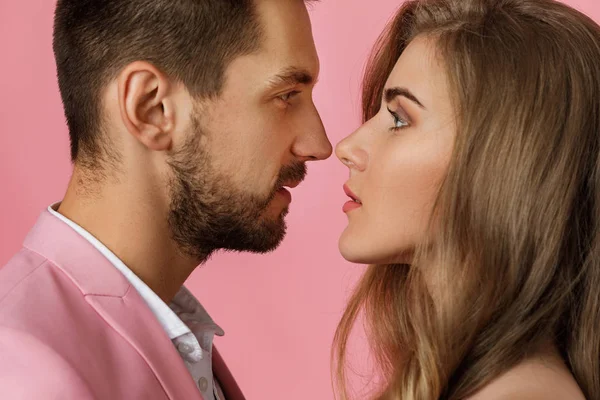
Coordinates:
<point>72,327</point>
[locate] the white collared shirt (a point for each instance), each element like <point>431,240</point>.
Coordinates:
<point>185,321</point>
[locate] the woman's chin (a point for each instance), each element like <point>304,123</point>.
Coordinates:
<point>355,251</point>
<point>353,258</point>
<point>359,251</point>
<point>349,251</point>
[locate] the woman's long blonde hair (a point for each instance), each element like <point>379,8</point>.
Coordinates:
<point>515,261</point>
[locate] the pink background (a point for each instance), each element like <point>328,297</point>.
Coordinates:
<point>280,310</point>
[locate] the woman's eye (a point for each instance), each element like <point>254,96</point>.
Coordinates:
<point>399,122</point>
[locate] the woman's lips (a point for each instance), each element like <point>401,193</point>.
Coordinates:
<point>354,204</point>
<point>351,206</point>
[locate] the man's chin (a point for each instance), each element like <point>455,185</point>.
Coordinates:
<point>269,236</point>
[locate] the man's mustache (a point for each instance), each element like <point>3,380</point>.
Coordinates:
<point>294,173</point>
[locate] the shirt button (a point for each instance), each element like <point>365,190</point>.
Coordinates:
<point>184,348</point>
<point>203,384</point>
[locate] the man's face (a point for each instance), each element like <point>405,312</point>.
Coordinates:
<point>245,146</point>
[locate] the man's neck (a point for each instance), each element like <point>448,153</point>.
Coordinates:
<point>125,219</point>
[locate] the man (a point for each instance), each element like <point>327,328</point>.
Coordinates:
<point>187,119</point>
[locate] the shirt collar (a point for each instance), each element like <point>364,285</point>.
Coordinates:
<point>184,305</point>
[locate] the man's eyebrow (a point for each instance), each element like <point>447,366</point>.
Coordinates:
<point>291,76</point>
<point>391,93</point>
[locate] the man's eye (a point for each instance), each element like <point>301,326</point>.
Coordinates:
<point>288,96</point>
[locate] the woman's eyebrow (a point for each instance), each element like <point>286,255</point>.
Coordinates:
<point>392,93</point>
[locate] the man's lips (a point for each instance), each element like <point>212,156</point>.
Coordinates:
<point>283,192</point>
<point>291,184</point>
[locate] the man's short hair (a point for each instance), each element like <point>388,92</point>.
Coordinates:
<point>192,41</point>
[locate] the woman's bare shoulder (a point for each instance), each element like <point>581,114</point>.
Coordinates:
<point>540,378</point>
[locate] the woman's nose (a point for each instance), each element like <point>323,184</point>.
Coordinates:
<point>351,153</point>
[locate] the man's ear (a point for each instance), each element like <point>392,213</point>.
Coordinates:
<point>147,105</point>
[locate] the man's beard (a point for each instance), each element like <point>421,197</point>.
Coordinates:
<point>207,212</point>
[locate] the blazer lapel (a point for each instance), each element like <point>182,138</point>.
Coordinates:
<point>132,319</point>
<point>117,302</point>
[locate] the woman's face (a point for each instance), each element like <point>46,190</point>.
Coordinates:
<point>398,159</point>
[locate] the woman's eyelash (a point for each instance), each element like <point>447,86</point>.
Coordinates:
<point>399,123</point>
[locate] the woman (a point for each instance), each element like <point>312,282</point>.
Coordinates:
<point>475,194</point>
